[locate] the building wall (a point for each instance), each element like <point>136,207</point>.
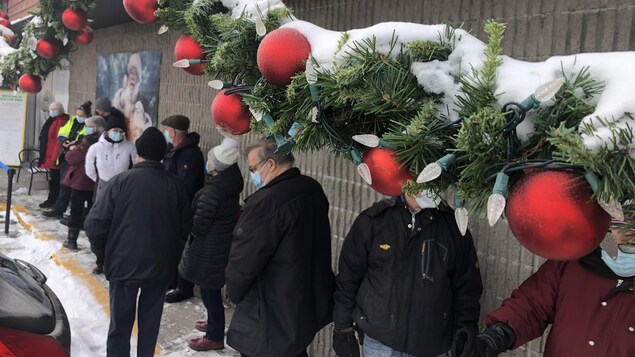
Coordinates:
<point>535,30</point>
<point>18,9</point>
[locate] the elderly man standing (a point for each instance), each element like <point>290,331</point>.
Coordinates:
<point>138,227</point>
<point>279,272</point>
<point>184,159</point>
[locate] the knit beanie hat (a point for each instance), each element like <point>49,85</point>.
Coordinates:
<point>224,155</point>
<point>178,122</point>
<point>86,107</point>
<point>151,144</point>
<point>116,122</point>
<point>103,104</point>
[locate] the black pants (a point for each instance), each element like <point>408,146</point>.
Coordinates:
<point>213,301</point>
<point>81,202</point>
<point>54,185</point>
<point>123,306</point>
<point>302,354</point>
<point>61,204</point>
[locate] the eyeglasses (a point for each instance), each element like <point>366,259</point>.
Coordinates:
<point>254,169</point>
<point>627,248</point>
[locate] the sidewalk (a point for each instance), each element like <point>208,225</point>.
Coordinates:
<point>177,324</point>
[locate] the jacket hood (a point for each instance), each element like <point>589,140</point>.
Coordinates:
<point>192,139</point>
<point>230,180</point>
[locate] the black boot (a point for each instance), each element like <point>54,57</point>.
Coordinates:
<point>178,295</point>
<point>71,241</point>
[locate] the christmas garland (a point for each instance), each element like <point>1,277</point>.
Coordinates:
<point>374,100</point>
<point>55,30</point>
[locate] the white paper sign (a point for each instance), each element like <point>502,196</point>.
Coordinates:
<point>12,125</point>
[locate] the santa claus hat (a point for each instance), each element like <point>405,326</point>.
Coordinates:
<point>135,62</point>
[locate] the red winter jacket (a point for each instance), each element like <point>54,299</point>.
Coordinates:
<point>53,146</point>
<point>590,316</point>
<point>75,175</point>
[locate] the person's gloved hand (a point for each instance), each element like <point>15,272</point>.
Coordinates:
<point>496,339</point>
<point>345,343</point>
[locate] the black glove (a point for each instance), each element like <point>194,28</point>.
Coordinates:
<point>345,343</point>
<point>496,339</point>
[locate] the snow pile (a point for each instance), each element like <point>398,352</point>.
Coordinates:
<point>252,9</point>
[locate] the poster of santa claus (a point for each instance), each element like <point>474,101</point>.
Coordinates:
<point>131,81</point>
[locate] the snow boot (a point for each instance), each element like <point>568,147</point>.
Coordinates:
<point>71,241</point>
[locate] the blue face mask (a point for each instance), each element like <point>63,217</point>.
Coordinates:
<point>256,180</point>
<point>53,113</point>
<point>624,266</point>
<point>80,119</point>
<point>89,131</point>
<point>427,200</point>
<point>115,136</point>
<point>167,137</point>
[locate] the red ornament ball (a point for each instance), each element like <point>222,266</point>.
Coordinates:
<point>187,48</point>
<point>74,19</point>
<point>30,83</point>
<point>282,54</point>
<point>84,37</point>
<point>230,114</point>
<point>5,22</point>
<point>48,48</point>
<point>4,15</point>
<point>552,214</point>
<point>385,171</point>
<point>141,10</point>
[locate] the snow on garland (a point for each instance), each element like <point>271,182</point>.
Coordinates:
<point>434,103</point>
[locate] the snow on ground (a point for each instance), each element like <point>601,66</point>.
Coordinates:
<point>38,241</point>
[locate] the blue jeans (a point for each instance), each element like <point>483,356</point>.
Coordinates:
<point>374,348</point>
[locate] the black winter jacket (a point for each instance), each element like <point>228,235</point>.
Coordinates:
<point>43,138</point>
<point>410,285</point>
<point>139,225</point>
<point>216,211</point>
<point>187,162</point>
<point>279,270</point>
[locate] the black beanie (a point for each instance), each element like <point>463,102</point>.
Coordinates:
<point>116,122</point>
<point>151,144</point>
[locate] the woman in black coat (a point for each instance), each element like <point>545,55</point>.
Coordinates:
<point>206,253</point>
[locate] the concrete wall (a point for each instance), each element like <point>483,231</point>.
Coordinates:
<point>18,9</point>
<point>536,29</point>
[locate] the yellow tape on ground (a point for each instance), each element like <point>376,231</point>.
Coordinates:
<point>68,261</point>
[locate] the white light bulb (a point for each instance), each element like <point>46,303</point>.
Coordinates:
<point>90,20</point>
<point>257,114</point>
<point>461,216</point>
<point>31,43</point>
<point>314,115</point>
<point>163,29</point>
<point>369,140</point>
<point>310,72</point>
<point>495,208</point>
<point>64,41</point>
<point>6,31</point>
<point>216,84</point>
<point>429,173</point>
<point>364,172</point>
<point>261,29</point>
<point>609,245</point>
<point>548,90</point>
<point>612,207</point>
<point>184,63</point>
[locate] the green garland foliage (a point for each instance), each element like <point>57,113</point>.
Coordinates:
<point>49,27</point>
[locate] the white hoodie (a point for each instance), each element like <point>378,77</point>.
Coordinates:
<point>105,159</point>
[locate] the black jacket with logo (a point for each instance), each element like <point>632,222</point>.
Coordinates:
<point>409,287</point>
<point>279,270</point>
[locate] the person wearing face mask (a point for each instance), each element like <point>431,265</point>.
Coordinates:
<point>69,135</point>
<point>50,149</point>
<point>111,155</point>
<point>104,108</point>
<point>408,280</point>
<point>279,271</point>
<point>216,208</point>
<point>184,159</point>
<point>588,302</point>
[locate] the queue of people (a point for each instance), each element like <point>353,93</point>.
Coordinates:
<point>408,282</point>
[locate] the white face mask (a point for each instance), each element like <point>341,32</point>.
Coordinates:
<point>428,199</point>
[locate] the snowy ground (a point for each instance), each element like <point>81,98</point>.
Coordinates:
<point>84,295</point>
